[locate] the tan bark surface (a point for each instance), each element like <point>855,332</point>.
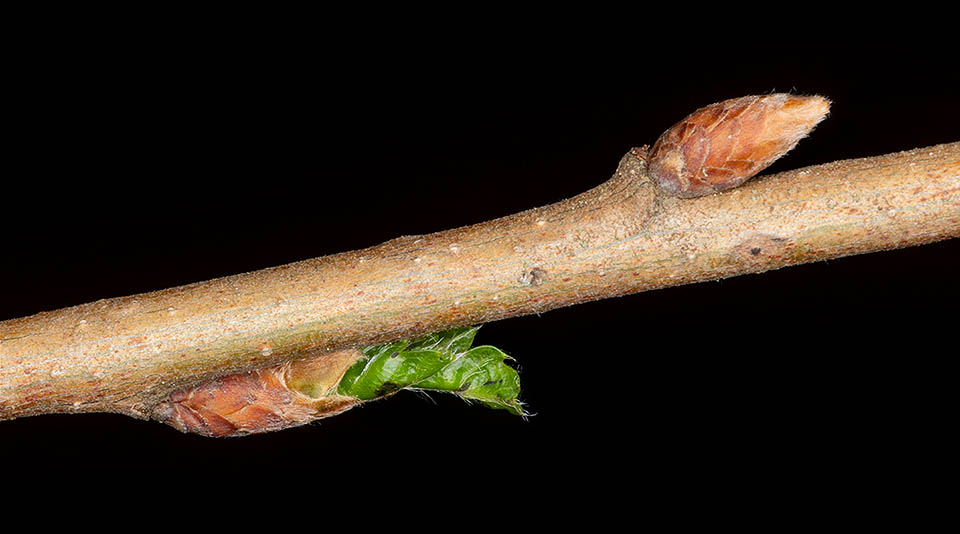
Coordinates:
<point>127,354</point>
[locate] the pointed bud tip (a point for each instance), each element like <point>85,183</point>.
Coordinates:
<point>800,114</point>
<point>812,109</point>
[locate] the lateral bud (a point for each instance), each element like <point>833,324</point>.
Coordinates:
<point>723,145</point>
<point>264,400</point>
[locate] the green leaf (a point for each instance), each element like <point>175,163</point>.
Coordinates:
<point>388,372</point>
<point>442,361</point>
<point>480,374</point>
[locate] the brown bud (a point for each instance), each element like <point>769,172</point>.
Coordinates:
<point>724,144</point>
<point>265,400</point>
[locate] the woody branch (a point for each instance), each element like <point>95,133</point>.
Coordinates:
<point>127,354</point>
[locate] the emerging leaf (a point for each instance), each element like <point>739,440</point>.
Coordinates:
<point>437,362</point>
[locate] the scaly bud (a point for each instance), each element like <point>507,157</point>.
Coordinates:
<point>725,144</point>
<point>288,395</point>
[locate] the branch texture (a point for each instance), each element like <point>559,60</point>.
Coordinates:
<point>129,354</point>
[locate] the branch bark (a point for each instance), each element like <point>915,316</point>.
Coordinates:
<point>128,354</point>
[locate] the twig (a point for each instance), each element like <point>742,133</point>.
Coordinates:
<point>128,354</point>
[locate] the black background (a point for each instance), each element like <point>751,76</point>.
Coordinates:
<point>150,156</point>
